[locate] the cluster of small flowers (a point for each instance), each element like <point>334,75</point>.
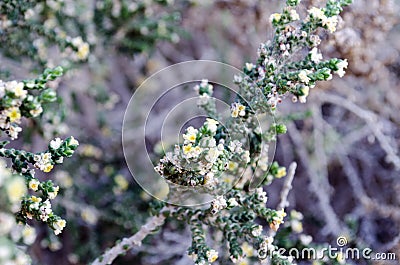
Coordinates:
<point>200,160</point>
<point>18,102</point>
<point>211,256</point>
<point>78,50</point>
<point>265,247</point>
<point>40,209</point>
<point>36,204</point>
<point>234,215</point>
<point>275,74</point>
<point>43,162</point>
<point>261,195</point>
<point>205,91</point>
<point>318,15</point>
<point>218,204</point>
<point>237,109</point>
<point>277,220</point>
<point>10,114</point>
<point>58,225</point>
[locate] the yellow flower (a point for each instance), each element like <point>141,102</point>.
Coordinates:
<point>331,23</point>
<point>212,255</point>
<point>46,157</point>
<point>303,76</point>
<point>275,17</point>
<point>14,114</point>
<point>235,113</point>
<point>54,193</point>
<point>36,112</point>
<point>232,166</point>
<point>73,141</point>
<point>19,90</point>
<point>16,188</point>
<point>247,249</point>
<point>297,226</point>
<point>317,13</point>
<point>305,90</point>
<point>90,215</point>
<point>36,199</point>
<point>187,148</point>
<point>60,224</point>
<point>29,235</point>
<point>281,172</point>
<point>47,168</point>
<point>121,182</point>
<point>83,51</point>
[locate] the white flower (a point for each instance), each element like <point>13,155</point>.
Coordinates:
<point>293,15</point>
<point>212,124</point>
<point>213,154</point>
<point>246,156</point>
<point>13,131</point>
<point>237,79</point>
<point>35,203</point>
<point>235,146</point>
<point>190,136</point>
<point>341,66</point>
<point>257,231</point>
<point>305,90</point>
<point>36,112</point>
<point>275,17</point>
<point>203,99</point>
<point>330,23</point>
<point>209,178</point>
<point>317,13</point>
<point>296,226</point>
<point>232,202</point>
<point>218,204</point>
<point>19,90</point>
<point>56,143</point>
<point>54,193</point>
<point>212,255</point>
<point>59,226</point>
<point>237,109</point>
<point>261,195</point>
<point>249,66</point>
<point>303,76</point>
<point>34,184</point>
<point>316,57</point>
<point>73,141</point>
<point>28,235</point>
<point>305,239</point>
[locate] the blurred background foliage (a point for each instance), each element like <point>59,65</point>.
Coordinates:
<point>346,139</point>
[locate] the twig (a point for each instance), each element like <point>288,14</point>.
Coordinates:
<point>128,243</point>
<point>370,118</point>
<point>287,186</point>
<point>333,224</point>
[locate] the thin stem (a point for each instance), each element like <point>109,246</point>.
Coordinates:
<point>135,240</point>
